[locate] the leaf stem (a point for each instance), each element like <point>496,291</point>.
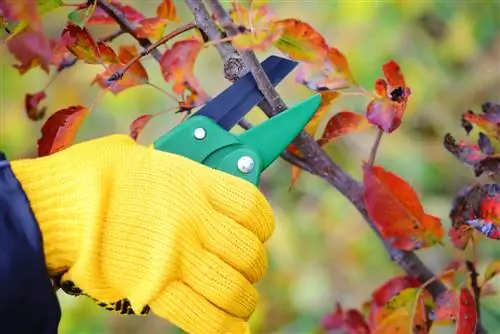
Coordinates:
<point>119,74</point>
<point>112,36</point>
<point>376,144</point>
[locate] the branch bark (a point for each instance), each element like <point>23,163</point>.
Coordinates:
<point>318,162</point>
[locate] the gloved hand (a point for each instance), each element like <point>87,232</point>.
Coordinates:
<point>122,221</point>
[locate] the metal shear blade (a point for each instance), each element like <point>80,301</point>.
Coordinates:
<point>229,107</point>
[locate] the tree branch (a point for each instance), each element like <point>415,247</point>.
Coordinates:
<point>126,25</point>
<point>317,161</point>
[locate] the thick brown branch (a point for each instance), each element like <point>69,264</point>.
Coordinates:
<point>233,63</point>
<point>126,25</point>
<point>315,159</point>
<point>321,164</point>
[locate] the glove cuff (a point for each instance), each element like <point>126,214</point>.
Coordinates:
<point>53,186</point>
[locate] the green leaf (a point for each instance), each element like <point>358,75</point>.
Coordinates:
<point>80,16</point>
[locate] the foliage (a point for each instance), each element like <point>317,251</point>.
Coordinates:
<point>403,303</point>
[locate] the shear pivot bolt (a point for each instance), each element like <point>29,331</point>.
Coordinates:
<point>200,133</point>
<point>245,164</point>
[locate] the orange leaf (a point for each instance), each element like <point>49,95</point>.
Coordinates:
<point>300,41</point>
<point>350,321</point>
<point>134,76</point>
<point>60,129</point>
<point>331,73</point>
<point>397,212</point>
<point>467,315</point>
<point>327,98</point>
<point>31,103</point>
<point>82,45</point>
<point>260,40</point>
<point>166,10</point>
<point>396,323</point>
<point>490,123</point>
<point>177,64</point>
<point>107,54</point>
<point>193,100</point>
<point>138,125</point>
<point>342,124</point>
<point>295,175</point>
<point>393,74</point>
<point>260,15</point>
<point>152,27</point>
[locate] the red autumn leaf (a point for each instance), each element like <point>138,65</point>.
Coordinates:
<point>460,235</point>
<point>490,123</point>
<point>490,208</point>
<point>408,306</point>
<point>61,56</point>
<point>392,73</point>
<point>467,315</point>
<point>15,10</point>
<point>386,110</point>
<point>193,99</point>
<point>134,76</point>
<point>177,64</point>
<point>446,306</point>
<point>331,74</point>
<point>300,41</point>
<point>99,16</point>
<point>60,129</point>
<point>82,45</point>
<point>350,321</point>
<point>152,27</point>
<point>388,290</point>
<point>138,125</point>
<point>31,103</point>
<point>396,210</point>
<point>467,154</point>
<point>31,48</point>
<point>385,114</point>
<point>166,10</point>
<point>341,124</point>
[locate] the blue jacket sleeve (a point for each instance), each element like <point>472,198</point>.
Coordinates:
<point>28,304</point>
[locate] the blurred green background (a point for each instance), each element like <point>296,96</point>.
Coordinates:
<point>322,251</point>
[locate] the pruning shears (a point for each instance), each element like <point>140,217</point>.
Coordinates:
<point>204,136</point>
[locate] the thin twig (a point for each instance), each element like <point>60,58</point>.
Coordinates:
<point>119,74</point>
<point>373,152</point>
<point>476,289</point>
<point>126,25</point>
<point>112,36</point>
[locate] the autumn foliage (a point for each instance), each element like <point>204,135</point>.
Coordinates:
<point>400,305</point>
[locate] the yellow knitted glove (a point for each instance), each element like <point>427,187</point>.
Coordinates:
<point>122,221</point>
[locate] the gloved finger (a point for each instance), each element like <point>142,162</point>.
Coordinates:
<point>242,202</point>
<point>236,246</point>
<point>190,311</point>
<point>218,282</point>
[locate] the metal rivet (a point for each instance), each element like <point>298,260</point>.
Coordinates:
<point>200,133</point>
<point>245,164</point>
